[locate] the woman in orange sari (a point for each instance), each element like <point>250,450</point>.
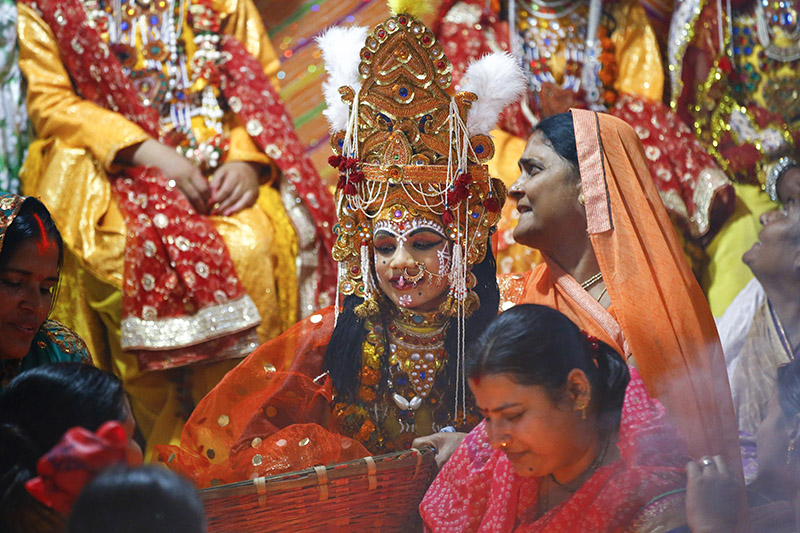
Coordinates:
<point>614,266</point>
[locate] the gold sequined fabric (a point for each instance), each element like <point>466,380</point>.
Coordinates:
<point>77,138</point>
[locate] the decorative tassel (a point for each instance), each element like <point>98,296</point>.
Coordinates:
<point>447,217</point>
<point>335,161</point>
<point>369,307</point>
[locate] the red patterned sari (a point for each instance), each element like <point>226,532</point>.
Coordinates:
<point>182,302</point>
<point>478,490</point>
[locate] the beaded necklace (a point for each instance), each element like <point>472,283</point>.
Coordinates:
<point>416,348</point>
<point>590,63</point>
<point>392,396</point>
<point>546,484</point>
<point>592,280</point>
<point>164,81</point>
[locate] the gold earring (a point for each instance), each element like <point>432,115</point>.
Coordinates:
<point>581,406</point>
<point>580,199</point>
<point>505,442</point>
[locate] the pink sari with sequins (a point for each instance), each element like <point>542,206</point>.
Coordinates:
<point>478,490</point>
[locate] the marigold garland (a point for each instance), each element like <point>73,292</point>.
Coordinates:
<point>608,66</point>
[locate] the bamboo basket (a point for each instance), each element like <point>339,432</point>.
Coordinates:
<point>380,493</point>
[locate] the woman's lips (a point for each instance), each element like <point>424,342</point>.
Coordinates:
<point>515,457</point>
<point>26,329</point>
<point>401,284</point>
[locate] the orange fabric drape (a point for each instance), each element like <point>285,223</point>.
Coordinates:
<point>658,312</point>
<point>261,420</point>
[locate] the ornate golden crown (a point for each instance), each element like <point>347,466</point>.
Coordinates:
<point>405,143</point>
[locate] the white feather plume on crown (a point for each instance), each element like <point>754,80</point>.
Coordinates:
<point>498,81</point>
<point>341,53</point>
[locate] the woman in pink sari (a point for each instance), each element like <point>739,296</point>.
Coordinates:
<point>570,442</point>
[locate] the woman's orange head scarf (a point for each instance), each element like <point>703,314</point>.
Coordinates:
<point>663,313</point>
<point>658,312</point>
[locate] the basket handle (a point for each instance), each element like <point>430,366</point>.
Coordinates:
<point>322,482</point>
<point>371,470</point>
<point>419,460</point>
<point>261,488</point>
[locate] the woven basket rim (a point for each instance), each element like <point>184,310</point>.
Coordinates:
<point>309,477</point>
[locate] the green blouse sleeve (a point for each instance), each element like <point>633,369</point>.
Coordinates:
<point>56,343</point>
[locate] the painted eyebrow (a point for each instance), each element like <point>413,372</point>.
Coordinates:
<point>426,230</point>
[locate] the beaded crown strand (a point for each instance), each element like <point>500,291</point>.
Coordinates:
<point>402,137</point>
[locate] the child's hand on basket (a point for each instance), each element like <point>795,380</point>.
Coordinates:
<point>444,443</point>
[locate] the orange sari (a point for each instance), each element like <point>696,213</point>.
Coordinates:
<point>658,312</point>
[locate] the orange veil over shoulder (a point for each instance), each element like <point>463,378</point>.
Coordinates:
<point>261,420</point>
<point>658,312</point>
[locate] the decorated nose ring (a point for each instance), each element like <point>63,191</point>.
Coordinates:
<point>421,270</point>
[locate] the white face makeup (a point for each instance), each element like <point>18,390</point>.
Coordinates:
<point>412,262</point>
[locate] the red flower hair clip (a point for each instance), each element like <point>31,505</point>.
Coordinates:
<point>349,175</point>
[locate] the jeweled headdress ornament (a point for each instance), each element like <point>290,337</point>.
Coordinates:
<point>408,149</point>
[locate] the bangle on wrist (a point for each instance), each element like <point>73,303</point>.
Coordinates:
<point>775,173</point>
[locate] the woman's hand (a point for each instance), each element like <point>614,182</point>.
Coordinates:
<point>711,496</point>
<point>445,444</point>
<point>234,186</point>
<point>174,166</point>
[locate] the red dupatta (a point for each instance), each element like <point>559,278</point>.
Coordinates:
<point>478,490</point>
<point>182,301</point>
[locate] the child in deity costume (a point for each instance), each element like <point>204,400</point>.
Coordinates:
<point>734,76</point>
<point>591,55</point>
<point>195,226</point>
<point>416,208</point>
